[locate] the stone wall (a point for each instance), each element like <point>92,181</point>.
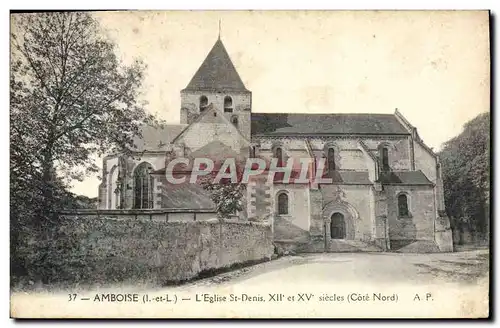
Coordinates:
<point>294,225</point>
<point>242,103</point>
<point>161,252</point>
<point>420,224</point>
<point>348,154</point>
<point>425,161</point>
<point>358,198</point>
<point>159,215</point>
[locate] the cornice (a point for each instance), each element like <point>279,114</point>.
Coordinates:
<point>328,137</point>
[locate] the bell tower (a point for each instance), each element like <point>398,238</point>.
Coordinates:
<point>217,82</point>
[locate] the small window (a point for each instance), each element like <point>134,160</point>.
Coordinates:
<point>234,120</point>
<point>403,206</point>
<point>282,203</point>
<point>331,160</point>
<point>228,104</point>
<point>203,103</point>
<point>385,159</point>
<point>278,153</point>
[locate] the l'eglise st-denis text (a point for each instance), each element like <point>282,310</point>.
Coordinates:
<point>216,298</point>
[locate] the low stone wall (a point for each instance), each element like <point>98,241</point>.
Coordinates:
<point>118,249</point>
<point>161,215</point>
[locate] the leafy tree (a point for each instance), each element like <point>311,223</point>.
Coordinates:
<point>71,97</point>
<point>226,195</point>
<point>465,163</point>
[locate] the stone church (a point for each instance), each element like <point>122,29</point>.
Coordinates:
<point>385,193</point>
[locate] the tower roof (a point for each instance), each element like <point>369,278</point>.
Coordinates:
<point>216,73</point>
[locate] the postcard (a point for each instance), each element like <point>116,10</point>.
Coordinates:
<point>250,164</point>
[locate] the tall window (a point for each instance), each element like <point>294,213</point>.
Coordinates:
<point>278,153</point>
<point>228,104</point>
<point>385,159</point>
<point>234,120</point>
<point>282,203</point>
<point>143,186</point>
<point>403,206</point>
<point>113,189</point>
<point>252,152</point>
<point>331,160</point>
<point>203,103</point>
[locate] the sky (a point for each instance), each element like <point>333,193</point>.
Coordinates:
<point>432,66</point>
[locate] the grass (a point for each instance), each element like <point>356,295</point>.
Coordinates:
<point>24,285</point>
<point>214,272</point>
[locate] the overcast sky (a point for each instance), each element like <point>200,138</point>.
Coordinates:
<point>432,66</point>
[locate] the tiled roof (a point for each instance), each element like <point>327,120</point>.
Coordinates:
<point>404,177</point>
<point>351,177</point>
<point>186,195</point>
<point>284,124</point>
<point>218,152</point>
<point>216,73</point>
<point>155,139</point>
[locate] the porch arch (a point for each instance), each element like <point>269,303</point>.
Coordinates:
<point>349,214</point>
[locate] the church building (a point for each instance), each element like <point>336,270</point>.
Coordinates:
<point>385,193</point>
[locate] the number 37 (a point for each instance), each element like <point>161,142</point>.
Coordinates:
<point>72,297</point>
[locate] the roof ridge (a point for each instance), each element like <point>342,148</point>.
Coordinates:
<point>267,113</point>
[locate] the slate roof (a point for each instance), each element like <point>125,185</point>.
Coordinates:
<point>157,139</point>
<point>351,177</point>
<point>186,195</point>
<point>285,124</point>
<point>217,151</point>
<point>216,73</point>
<point>404,177</point>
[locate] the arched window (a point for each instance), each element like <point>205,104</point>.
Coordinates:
<point>278,153</point>
<point>385,159</point>
<point>228,104</point>
<point>403,206</point>
<point>203,103</point>
<point>143,186</point>
<point>113,189</point>
<point>282,203</point>
<point>331,160</point>
<point>234,120</point>
<point>252,152</point>
<point>337,226</point>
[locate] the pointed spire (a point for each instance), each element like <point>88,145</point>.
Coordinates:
<point>216,73</point>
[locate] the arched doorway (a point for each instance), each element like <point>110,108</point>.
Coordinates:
<point>337,226</point>
<point>341,220</point>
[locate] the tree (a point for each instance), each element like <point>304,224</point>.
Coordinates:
<point>226,195</point>
<point>70,98</point>
<point>465,163</point>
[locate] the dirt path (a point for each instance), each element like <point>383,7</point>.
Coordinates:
<point>461,267</point>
